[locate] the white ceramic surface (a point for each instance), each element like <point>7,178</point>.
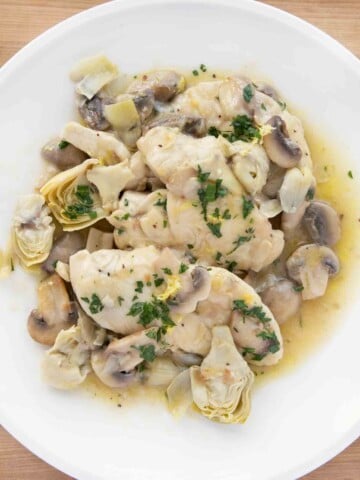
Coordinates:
<point>298,421</point>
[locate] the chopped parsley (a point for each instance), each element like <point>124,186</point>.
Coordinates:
<point>158,282</point>
<point>209,193</point>
<point>350,175</point>
<point>125,217</point>
<point>139,286</point>
<point>247,207</point>
<point>167,271</point>
<point>203,67</point>
<point>256,312</point>
<point>248,93</point>
<point>298,288</point>
<point>161,202</point>
<point>165,223</point>
<point>218,256</point>
<point>263,107</point>
<point>230,265</point>
<point>274,344</point>
<point>95,305</point>
<point>202,176</point>
<point>226,215</point>
<point>195,73</point>
<point>120,230</point>
<point>243,129</point>
<point>215,229</point>
<point>84,206</point>
<point>254,356</point>
<point>120,300</point>
<point>310,193</point>
<point>126,202</point>
<point>149,311</point>
<point>183,268</point>
<point>147,352</point>
<point>63,144</point>
<point>190,246</point>
<point>243,239</point>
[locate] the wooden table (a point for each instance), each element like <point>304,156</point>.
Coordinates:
<point>21,21</point>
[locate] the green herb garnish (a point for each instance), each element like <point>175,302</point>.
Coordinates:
<point>183,268</point>
<point>256,312</point>
<point>95,305</point>
<point>248,93</point>
<point>63,144</point>
<point>139,286</point>
<point>247,207</point>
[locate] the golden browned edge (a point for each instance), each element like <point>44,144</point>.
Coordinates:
<point>20,22</point>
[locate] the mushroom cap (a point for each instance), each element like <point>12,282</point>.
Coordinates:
<point>65,246</point>
<point>311,266</point>
<point>63,157</point>
<point>115,365</point>
<point>322,223</point>
<point>92,112</point>
<point>55,311</point>
<point>282,299</point>
<point>280,148</point>
<point>191,124</point>
<point>195,286</point>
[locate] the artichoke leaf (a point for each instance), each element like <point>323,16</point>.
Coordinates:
<point>110,181</point>
<point>92,74</point>
<point>179,394</point>
<point>33,230</point>
<point>101,145</point>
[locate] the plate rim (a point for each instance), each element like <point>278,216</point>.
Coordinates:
<point>72,22</point>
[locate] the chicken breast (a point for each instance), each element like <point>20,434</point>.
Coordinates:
<point>224,237</point>
<point>127,291</point>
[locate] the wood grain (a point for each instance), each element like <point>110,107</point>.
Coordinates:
<point>21,21</point>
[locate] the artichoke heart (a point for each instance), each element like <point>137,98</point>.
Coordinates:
<point>220,386</point>
<point>92,74</point>
<point>67,363</point>
<point>72,199</point>
<point>33,230</point>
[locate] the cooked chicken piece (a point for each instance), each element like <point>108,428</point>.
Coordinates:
<point>127,291</point>
<point>224,238</point>
<point>176,158</point>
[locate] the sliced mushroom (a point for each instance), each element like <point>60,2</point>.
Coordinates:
<point>164,84</point>
<point>92,112</point>
<point>193,125</point>
<point>322,223</point>
<point>195,286</point>
<point>282,298</point>
<point>311,266</point>
<point>144,103</point>
<point>62,154</point>
<point>186,359</point>
<point>268,90</point>
<point>65,246</point>
<point>55,311</point>
<point>278,145</point>
<point>115,365</point>
<point>274,180</point>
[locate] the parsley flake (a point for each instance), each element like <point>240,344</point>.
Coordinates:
<point>248,93</point>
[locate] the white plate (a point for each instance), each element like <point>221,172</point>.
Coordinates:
<point>299,420</point>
